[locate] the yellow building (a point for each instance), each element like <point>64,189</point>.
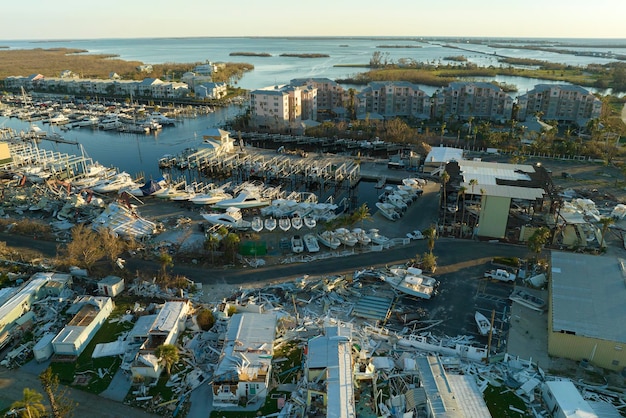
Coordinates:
<point>587,309</point>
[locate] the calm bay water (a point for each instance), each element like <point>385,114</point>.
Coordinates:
<point>140,153</point>
<point>279,70</point>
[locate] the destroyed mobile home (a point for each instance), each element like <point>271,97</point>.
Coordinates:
<point>334,346</point>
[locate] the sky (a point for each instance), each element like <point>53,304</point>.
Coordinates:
<point>86,19</point>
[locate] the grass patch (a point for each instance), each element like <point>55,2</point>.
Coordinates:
<point>498,401</point>
<point>85,365</point>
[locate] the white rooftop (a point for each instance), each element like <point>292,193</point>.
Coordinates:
<point>570,400</point>
<point>333,352</point>
<point>444,155</point>
<point>168,316</point>
<point>24,293</point>
<point>588,294</point>
<point>486,173</point>
<point>249,343</point>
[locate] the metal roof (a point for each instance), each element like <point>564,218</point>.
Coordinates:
<point>444,155</point>
<point>588,294</point>
<point>372,307</point>
<point>514,192</point>
<point>487,172</point>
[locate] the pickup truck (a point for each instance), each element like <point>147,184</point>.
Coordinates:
<point>500,275</point>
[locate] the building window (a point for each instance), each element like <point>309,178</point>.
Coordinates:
<point>615,363</point>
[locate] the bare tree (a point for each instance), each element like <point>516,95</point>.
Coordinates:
<point>85,247</point>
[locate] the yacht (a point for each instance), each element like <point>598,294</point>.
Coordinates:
<point>115,183</point>
<point>211,197</point>
<point>232,218</point>
<point>247,198</point>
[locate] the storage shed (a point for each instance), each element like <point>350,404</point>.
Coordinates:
<point>111,286</point>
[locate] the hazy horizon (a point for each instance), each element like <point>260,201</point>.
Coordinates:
<point>41,20</point>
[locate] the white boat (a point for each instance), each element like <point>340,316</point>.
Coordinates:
<point>346,237</point>
<point>232,218</point>
<point>377,238</point>
<point>388,211</point>
<point>257,224</point>
<point>211,197</point>
<point>483,324</point>
<point>361,236</point>
<point>329,239</point>
<point>414,182</point>
<point>270,224</point>
<point>397,201</point>
<point>311,244</point>
<point>115,183</point>
<point>414,284</point>
<point>245,199</point>
<point>297,244</point>
<point>296,222</point>
<point>90,121</point>
<point>284,224</point>
<point>310,222</point>
<point>36,131</point>
<point>171,192</point>
<point>110,123</point>
<point>187,194</point>
<point>59,119</point>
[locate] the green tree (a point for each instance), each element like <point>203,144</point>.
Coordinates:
<point>211,244</point>
<point>360,215</point>
<point>429,262</point>
<point>606,223</point>
<point>165,261</point>
<point>205,319</point>
<point>168,356</point>
<point>538,239</point>
<point>30,406</point>
<point>430,234</point>
<point>231,246</point>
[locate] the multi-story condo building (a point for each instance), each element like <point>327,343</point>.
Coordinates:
<point>390,99</point>
<point>282,107</point>
<point>560,102</point>
<point>148,87</point>
<point>473,99</point>
<point>330,94</point>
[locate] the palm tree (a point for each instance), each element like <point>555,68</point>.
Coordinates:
<point>431,235</point>
<point>445,177</point>
<point>210,244</point>
<point>462,191</point>
<point>30,406</point>
<point>167,355</point>
<point>361,214</point>
<point>165,260</point>
<point>606,222</point>
<point>231,245</point>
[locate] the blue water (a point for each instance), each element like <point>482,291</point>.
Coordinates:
<point>280,70</point>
